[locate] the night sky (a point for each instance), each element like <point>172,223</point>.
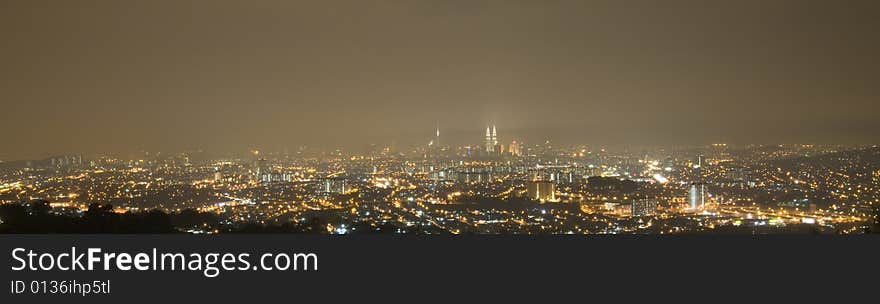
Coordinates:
<point>226,76</point>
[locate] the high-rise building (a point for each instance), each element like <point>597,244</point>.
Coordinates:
<point>644,206</point>
<point>542,190</point>
<point>334,185</point>
<point>263,170</point>
<point>696,196</point>
<point>515,148</point>
<point>489,143</point>
<point>697,191</point>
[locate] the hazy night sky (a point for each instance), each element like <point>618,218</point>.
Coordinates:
<point>121,76</point>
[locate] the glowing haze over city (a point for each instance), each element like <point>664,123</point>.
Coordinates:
<point>440,117</point>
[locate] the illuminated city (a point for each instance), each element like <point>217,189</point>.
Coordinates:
<point>440,117</point>
<point>502,186</point>
<point>500,151</point>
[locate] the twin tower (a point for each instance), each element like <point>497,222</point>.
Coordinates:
<point>491,139</point>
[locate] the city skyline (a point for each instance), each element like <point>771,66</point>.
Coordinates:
<point>477,189</point>
<point>419,142</point>
<point>536,150</point>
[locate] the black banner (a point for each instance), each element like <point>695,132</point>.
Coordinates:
<point>407,268</point>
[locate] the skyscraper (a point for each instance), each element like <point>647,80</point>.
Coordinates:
<point>697,191</point>
<point>335,185</point>
<point>490,140</point>
<point>644,206</point>
<point>263,170</point>
<point>515,148</point>
<point>542,190</point>
<point>697,196</point>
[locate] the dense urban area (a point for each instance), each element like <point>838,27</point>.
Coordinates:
<point>486,188</point>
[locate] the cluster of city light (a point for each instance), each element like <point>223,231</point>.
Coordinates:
<point>431,188</point>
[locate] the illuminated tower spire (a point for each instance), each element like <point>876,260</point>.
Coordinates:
<point>494,136</point>
<point>490,147</point>
<point>697,192</point>
<point>700,168</point>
